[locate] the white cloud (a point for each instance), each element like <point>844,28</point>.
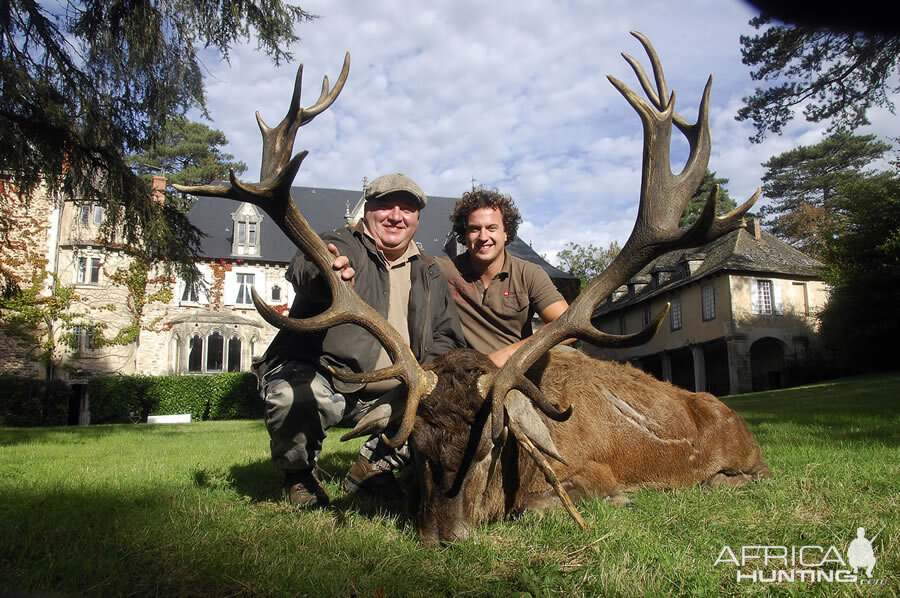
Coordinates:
<point>513,94</point>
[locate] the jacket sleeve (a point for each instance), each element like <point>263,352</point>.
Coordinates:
<point>312,295</point>
<point>447,332</point>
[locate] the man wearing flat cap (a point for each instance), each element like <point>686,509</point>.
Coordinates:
<point>406,287</point>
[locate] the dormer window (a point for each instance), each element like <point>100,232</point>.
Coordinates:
<point>246,221</point>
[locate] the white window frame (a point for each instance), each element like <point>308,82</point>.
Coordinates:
<point>243,296</point>
<point>762,289</point>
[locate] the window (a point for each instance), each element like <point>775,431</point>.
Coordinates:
<point>82,338</point>
<point>75,341</point>
<point>84,214</point>
<point>195,354</point>
<point>764,296</point>
<point>215,352</point>
<point>675,313</point>
<point>95,270</point>
<point>210,352</point>
<point>246,222</point>
<point>98,214</point>
<point>244,282</point>
<point>708,300</point>
<point>87,270</point>
<point>800,298</point>
<point>234,354</point>
<point>190,294</point>
<point>276,293</point>
<point>81,270</point>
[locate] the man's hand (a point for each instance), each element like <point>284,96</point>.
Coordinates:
<point>341,263</point>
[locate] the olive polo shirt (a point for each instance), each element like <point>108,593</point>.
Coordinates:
<point>501,315</point>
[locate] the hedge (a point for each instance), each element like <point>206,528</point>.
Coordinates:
<point>32,402</point>
<point>219,396</point>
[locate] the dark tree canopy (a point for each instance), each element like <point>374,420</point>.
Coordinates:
<point>837,75</point>
<point>861,322</point>
<point>802,184</point>
<point>187,153</point>
<point>86,82</point>
<point>695,205</point>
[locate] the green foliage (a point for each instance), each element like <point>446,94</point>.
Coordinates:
<point>32,402</point>
<point>89,81</point>
<point>803,185</point>
<point>28,314</point>
<point>117,399</point>
<point>837,76</point>
<point>586,262</point>
<point>187,153</point>
<point>861,322</point>
<point>695,205</point>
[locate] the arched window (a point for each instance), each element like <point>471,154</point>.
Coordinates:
<point>276,293</point>
<point>215,352</point>
<point>234,354</point>
<point>195,354</point>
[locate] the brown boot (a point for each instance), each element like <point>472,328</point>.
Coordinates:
<point>303,489</point>
<point>364,478</point>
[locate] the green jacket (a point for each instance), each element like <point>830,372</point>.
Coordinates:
<point>434,325</point>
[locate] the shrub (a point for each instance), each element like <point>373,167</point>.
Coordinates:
<point>119,399</point>
<point>33,402</point>
<point>220,396</point>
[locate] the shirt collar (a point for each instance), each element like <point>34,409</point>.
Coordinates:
<point>464,265</point>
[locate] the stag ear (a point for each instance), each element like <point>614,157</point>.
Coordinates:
<point>522,411</point>
<point>385,410</point>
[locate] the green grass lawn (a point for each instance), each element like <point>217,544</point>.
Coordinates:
<point>194,510</point>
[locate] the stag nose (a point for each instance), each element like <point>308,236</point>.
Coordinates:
<point>454,532</point>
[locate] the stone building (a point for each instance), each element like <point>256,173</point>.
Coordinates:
<point>186,330</point>
<point>742,311</point>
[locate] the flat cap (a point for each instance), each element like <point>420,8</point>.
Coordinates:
<point>395,183</point>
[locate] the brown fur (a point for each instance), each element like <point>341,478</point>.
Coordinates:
<point>627,430</point>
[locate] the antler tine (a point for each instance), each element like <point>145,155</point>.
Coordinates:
<point>656,230</point>
<point>273,195</point>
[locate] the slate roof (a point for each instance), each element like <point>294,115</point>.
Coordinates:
<point>324,210</point>
<point>738,251</point>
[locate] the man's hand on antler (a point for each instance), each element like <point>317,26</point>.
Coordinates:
<point>341,263</point>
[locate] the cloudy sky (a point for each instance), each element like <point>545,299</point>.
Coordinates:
<point>511,93</point>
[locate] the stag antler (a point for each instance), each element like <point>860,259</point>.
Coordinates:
<point>273,195</point>
<point>656,231</point>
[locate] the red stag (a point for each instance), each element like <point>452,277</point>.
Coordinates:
<point>479,434</point>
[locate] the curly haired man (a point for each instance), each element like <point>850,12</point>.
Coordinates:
<point>496,293</point>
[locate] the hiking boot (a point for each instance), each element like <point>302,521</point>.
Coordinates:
<point>303,489</point>
<point>366,479</point>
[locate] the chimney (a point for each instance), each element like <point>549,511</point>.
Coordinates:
<point>159,188</point>
<point>754,229</point>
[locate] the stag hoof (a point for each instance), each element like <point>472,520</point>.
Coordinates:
<point>303,489</point>
<point>365,479</point>
<point>619,499</point>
